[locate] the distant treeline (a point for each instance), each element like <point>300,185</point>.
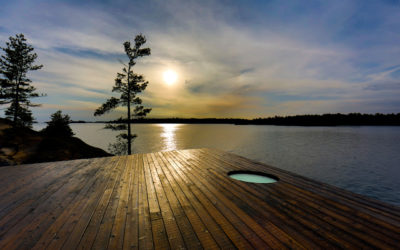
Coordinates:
<point>353,119</point>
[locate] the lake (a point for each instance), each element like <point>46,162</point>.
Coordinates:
<point>364,160</point>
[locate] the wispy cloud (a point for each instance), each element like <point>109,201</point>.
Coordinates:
<point>242,59</point>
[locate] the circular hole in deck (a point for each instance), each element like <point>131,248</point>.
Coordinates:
<point>253,177</point>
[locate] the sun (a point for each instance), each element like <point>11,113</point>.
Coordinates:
<point>170,77</point>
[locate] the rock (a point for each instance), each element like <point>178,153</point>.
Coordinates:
<point>25,145</point>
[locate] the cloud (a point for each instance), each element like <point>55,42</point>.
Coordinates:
<point>255,59</point>
<point>384,86</point>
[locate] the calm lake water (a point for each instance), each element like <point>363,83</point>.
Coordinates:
<point>364,160</point>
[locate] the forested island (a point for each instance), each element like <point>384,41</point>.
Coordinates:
<point>352,119</point>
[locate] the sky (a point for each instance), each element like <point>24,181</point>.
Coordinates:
<point>239,59</point>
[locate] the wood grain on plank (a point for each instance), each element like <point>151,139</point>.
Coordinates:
<point>182,200</point>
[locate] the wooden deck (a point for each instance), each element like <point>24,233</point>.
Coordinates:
<point>182,199</point>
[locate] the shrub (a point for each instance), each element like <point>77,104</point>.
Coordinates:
<point>58,126</point>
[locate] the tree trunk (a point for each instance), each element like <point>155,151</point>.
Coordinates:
<point>129,114</point>
<point>16,105</point>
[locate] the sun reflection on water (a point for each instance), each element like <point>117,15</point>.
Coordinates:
<point>169,136</point>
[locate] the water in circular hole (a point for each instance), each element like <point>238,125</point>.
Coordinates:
<point>254,178</point>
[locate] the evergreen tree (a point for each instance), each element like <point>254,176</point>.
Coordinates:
<point>16,88</point>
<point>129,84</point>
<point>58,125</point>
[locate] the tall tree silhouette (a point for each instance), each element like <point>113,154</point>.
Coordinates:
<point>16,88</point>
<point>129,84</point>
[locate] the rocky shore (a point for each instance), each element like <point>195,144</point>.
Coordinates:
<point>25,145</point>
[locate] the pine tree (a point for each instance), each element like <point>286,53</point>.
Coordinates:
<point>16,88</point>
<point>58,125</point>
<point>129,84</point>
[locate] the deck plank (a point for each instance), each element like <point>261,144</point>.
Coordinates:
<point>244,221</point>
<point>206,240</point>
<point>85,231</point>
<point>364,223</point>
<point>117,232</point>
<point>131,238</point>
<point>339,210</point>
<point>24,193</point>
<point>336,194</point>
<point>211,225</point>
<point>56,234</point>
<point>273,207</point>
<point>228,220</point>
<point>182,200</point>
<point>189,236</point>
<point>160,236</point>
<point>170,221</point>
<point>28,230</point>
<point>145,228</point>
<point>105,230</point>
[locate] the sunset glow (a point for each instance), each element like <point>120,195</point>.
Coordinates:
<point>245,59</point>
